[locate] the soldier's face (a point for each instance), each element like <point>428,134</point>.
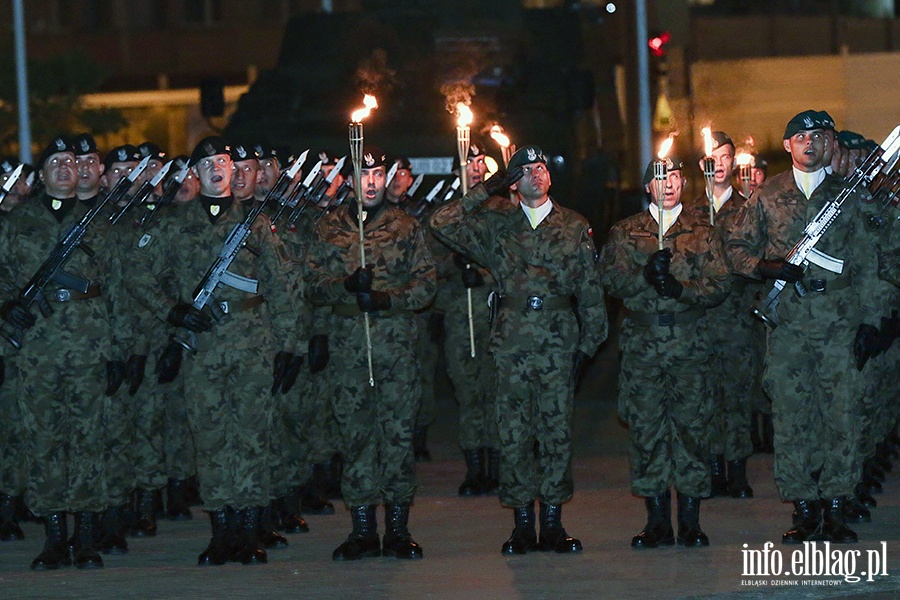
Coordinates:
<point>671,192</point>
<point>268,174</point>
<point>333,188</point>
<point>214,173</point>
<point>535,182</point>
<point>245,178</point>
<point>399,184</point>
<point>476,169</point>
<point>757,176</point>
<point>373,181</point>
<point>807,149</point>
<point>117,171</point>
<point>189,189</point>
<point>724,157</point>
<point>831,147</point>
<point>89,171</point>
<point>15,194</point>
<point>59,175</point>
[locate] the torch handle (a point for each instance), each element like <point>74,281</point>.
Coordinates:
<point>356,145</point>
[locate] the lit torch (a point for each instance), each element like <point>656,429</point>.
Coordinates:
<point>502,140</point>
<point>356,147</point>
<point>745,165</point>
<point>709,172</point>
<point>659,181</point>
<point>462,147</point>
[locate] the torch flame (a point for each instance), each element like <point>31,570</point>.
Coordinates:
<point>369,103</point>
<point>465,115</point>
<point>707,141</point>
<point>499,137</point>
<point>744,159</point>
<point>665,147</point>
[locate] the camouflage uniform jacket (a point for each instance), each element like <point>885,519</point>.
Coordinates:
<point>557,259</point>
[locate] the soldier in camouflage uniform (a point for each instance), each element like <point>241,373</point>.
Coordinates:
<point>738,343</point>
<point>810,370</point>
<point>376,421</point>
<point>664,388</point>
<point>60,369</point>
<point>551,316</point>
<point>229,381</point>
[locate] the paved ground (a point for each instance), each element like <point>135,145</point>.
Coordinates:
<point>462,539</point>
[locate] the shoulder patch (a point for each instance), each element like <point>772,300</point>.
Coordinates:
<point>145,239</point>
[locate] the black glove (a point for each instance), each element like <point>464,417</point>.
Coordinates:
<point>780,269</point>
<point>185,315</point>
<point>17,315</point>
<point>318,353</point>
<point>115,375</point>
<point>472,278</point>
<point>436,327</point>
<point>285,370</point>
<point>500,181</point>
<point>578,367</point>
<point>169,363</point>
<point>869,343</point>
<point>657,264</point>
<point>890,327</point>
<point>359,281</point>
<point>134,372</point>
<point>373,301</point>
<point>667,286</point>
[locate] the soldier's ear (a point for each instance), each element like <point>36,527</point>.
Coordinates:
<point>787,145</point>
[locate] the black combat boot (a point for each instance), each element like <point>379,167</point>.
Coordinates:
<point>473,484</point>
<point>56,547</point>
<point>855,511</point>
<point>313,500</point>
<point>219,550</point>
<point>397,540</point>
<point>112,525</point>
<point>332,483</point>
<point>251,551</point>
<point>871,468</point>
<point>658,530</point>
<point>267,534</point>
<point>738,486</point>
<point>768,432</point>
<point>553,535</point>
<point>689,532</point>
<point>177,508</point>
<point>865,498</point>
<point>490,460</point>
<point>756,432</point>
<point>718,477</point>
<point>883,457</point>
<point>834,527</point>
<point>524,536</point>
<point>807,522</point>
<point>290,519</point>
<point>363,541</point>
<point>420,444</point>
<point>86,556</point>
<point>9,525</point>
<point>145,525</point>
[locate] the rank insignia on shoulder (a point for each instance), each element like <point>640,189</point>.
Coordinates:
<point>56,205</point>
<point>145,239</point>
<point>214,209</point>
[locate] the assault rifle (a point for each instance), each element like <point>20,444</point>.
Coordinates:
<point>170,190</point>
<point>218,272</point>
<point>142,194</point>
<point>418,207</point>
<point>298,192</point>
<point>804,251</point>
<point>316,192</point>
<point>9,183</point>
<point>333,201</point>
<point>52,267</point>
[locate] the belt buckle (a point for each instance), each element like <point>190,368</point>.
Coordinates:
<point>667,319</point>
<point>63,295</point>
<point>818,285</point>
<point>224,307</point>
<point>535,302</point>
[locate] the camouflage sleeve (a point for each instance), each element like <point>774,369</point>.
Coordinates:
<point>279,283</point>
<point>619,274</point>
<point>459,225</point>
<point>713,284</point>
<point>746,241</point>
<point>418,288</point>
<point>123,327</point>
<point>889,251</point>
<point>591,306</point>
<point>325,272</point>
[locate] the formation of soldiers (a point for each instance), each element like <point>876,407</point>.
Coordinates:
<point>217,328</point>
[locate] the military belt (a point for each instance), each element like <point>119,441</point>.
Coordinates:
<point>827,285</point>
<point>666,319</point>
<point>66,295</point>
<point>230,307</point>
<point>535,302</point>
<point>352,310</point>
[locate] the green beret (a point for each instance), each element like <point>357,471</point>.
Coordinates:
<point>209,146</point>
<point>124,153</point>
<point>851,140</point>
<point>85,144</point>
<point>60,143</point>
<point>373,156</point>
<point>673,163</point>
<point>525,156</point>
<point>808,119</point>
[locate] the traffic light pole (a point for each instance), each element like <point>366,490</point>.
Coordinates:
<point>643,76</point>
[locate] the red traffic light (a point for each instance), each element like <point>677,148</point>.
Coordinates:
<point>658,42</point>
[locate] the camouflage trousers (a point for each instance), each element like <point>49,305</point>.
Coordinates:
<point>735,373</point>
<point>294,423</point>
<point>376,423</point>
<point>535,400</point>
<point>816,396</point>
<point>62,407</point>
<point>229,409</point>
<point>429,355</point>
<point>324,432</point>
<point>14,451</point>
<point>474,379</point>
<point>664,399</point>
<point>119,442</point>
<point>879,405</point>
<point>149,423</point>
<point>178,441</point>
